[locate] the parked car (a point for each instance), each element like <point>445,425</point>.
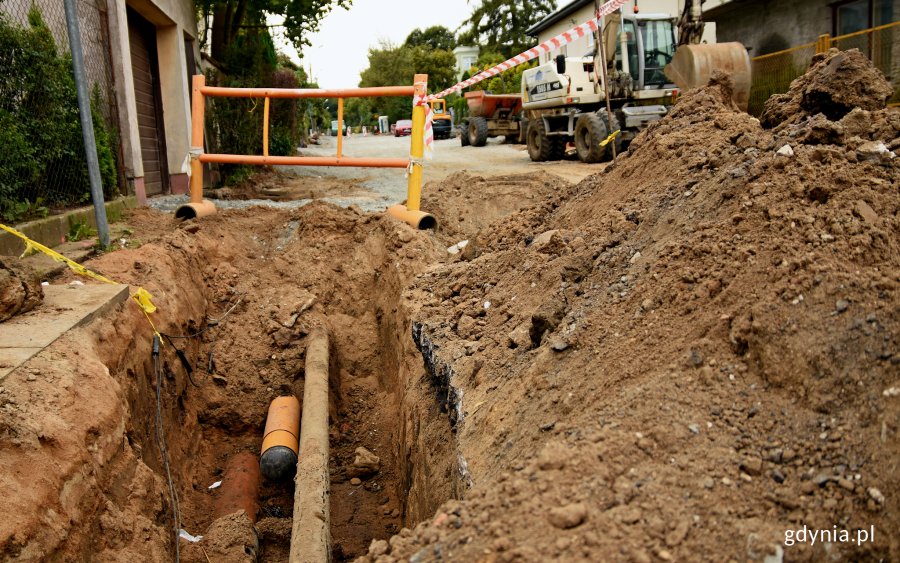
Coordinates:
<point>403,127</point>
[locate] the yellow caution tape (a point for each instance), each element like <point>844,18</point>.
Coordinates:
<point>607,140</point>
<point>142,297</point>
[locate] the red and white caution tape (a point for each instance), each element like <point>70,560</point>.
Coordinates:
<point>428,138</point>
<point>563,38</point>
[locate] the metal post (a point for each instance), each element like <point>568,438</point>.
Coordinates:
<point>87,123</point>
<point>417,145</point>
<point>602,62</point>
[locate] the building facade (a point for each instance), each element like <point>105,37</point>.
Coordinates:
<point>768,26</point>
<point>140,55</point>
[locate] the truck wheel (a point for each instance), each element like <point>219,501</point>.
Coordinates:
<point>590,131</point>
<point>464,134</point>
<point>540,146</point>
<point>611,127</point>
<point>478,131</point>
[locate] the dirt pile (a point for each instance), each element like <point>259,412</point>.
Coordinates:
<point>685,356</point>
<point>836,83</point>
<point>20,288</point>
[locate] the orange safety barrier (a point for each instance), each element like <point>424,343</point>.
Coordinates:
<point>198,207</point>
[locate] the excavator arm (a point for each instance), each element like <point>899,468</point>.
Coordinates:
<point>690,25</point>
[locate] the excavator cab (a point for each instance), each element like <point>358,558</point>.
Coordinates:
<point>649,41</point>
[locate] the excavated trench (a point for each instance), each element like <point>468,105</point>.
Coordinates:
<point>249,290</point>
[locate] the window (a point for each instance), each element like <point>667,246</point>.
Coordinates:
<point>631,41</point>
<point>659,48</point>
<point>853,17</point>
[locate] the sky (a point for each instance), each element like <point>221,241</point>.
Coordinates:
<point>340,49</point>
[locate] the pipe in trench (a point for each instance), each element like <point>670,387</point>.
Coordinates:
<point>240,487</point>
<point>311,532</point>
<point>278,459</point>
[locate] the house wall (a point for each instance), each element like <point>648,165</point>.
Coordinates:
<point>174,21</point>
<point>767,26</point>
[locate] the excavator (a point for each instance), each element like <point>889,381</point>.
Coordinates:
<point>565,100</point>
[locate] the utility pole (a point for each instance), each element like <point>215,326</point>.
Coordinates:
<point>87,123</point>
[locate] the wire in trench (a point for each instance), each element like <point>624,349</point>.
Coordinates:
<point>161,443</point>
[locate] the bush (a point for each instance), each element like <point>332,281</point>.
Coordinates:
<point>41,148</point>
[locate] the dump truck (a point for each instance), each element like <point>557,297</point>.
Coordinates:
<point>442,122</point>
<point>565,99</point>
<point>491,115</point>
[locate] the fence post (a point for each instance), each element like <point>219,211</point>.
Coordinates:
<point>823,43</point>
<point>417,144</point>
<point>87,122</point>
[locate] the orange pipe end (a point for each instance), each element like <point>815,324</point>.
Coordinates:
<point>195,210</point>
<point>417,219</point>
<point>281,439</point>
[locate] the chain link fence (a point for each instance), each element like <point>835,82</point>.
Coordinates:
<point>42,160</point>
<point>774,72</point>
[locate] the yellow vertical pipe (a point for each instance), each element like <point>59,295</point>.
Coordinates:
<point>266,127</point>
<point>417,146</point>
<point>197,116</point>
<point>340,146</point>
<point>823,44</point>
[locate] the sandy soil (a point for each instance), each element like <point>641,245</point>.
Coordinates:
<point>676,361</point>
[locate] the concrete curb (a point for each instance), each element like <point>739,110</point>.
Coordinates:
<point>51,231</point>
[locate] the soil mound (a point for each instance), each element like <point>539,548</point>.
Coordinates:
<point>692,352</point>
<point>20,288</point>
<point>836,83</point>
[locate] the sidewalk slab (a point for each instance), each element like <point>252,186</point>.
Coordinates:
<point>64,308</point>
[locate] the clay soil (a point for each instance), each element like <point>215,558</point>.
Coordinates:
<point>678,358</point>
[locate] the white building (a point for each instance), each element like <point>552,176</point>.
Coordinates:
<point>466,57</point>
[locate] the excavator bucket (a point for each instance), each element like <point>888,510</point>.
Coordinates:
<point>692,66</point>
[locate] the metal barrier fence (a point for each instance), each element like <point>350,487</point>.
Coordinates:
<point>42,161</point>
<point>773,73</point>
<point>410,212</point>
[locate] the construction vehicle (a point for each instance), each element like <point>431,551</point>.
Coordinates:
<point>491,115</point>
<point>565,99</point>
<point>442,122</point>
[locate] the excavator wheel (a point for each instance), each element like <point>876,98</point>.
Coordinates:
<point>590,130</point>
<point>478,131</point>
<point>540,146</point>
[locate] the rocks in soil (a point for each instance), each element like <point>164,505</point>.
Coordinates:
<point>568,516</point>
<point>20,288</point>
<point>365,463</point>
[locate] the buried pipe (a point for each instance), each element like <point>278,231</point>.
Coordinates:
<point>278,460</point>
<point>415,218</point>
<point>311,532</point>
<point>240,487</point>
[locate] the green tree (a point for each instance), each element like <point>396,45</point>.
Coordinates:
<point>229,17</point>
<point>390,65</point>
<point>434,37</point>
<point>500,25</point>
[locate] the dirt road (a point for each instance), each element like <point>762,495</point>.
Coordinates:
<point>375,189</point>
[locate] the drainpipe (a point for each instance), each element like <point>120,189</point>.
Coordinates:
<point>311,532</point>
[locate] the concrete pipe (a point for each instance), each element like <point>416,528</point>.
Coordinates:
<point>194,210</point>
<point>416,219</point>
<point>240,487</point>
<point>311,532</point>
<point>279,449</point>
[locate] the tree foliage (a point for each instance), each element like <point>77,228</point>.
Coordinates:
<point>434,37</point>
<point>230,17</point>
<point>500,25</point>
<point>390,65</point>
